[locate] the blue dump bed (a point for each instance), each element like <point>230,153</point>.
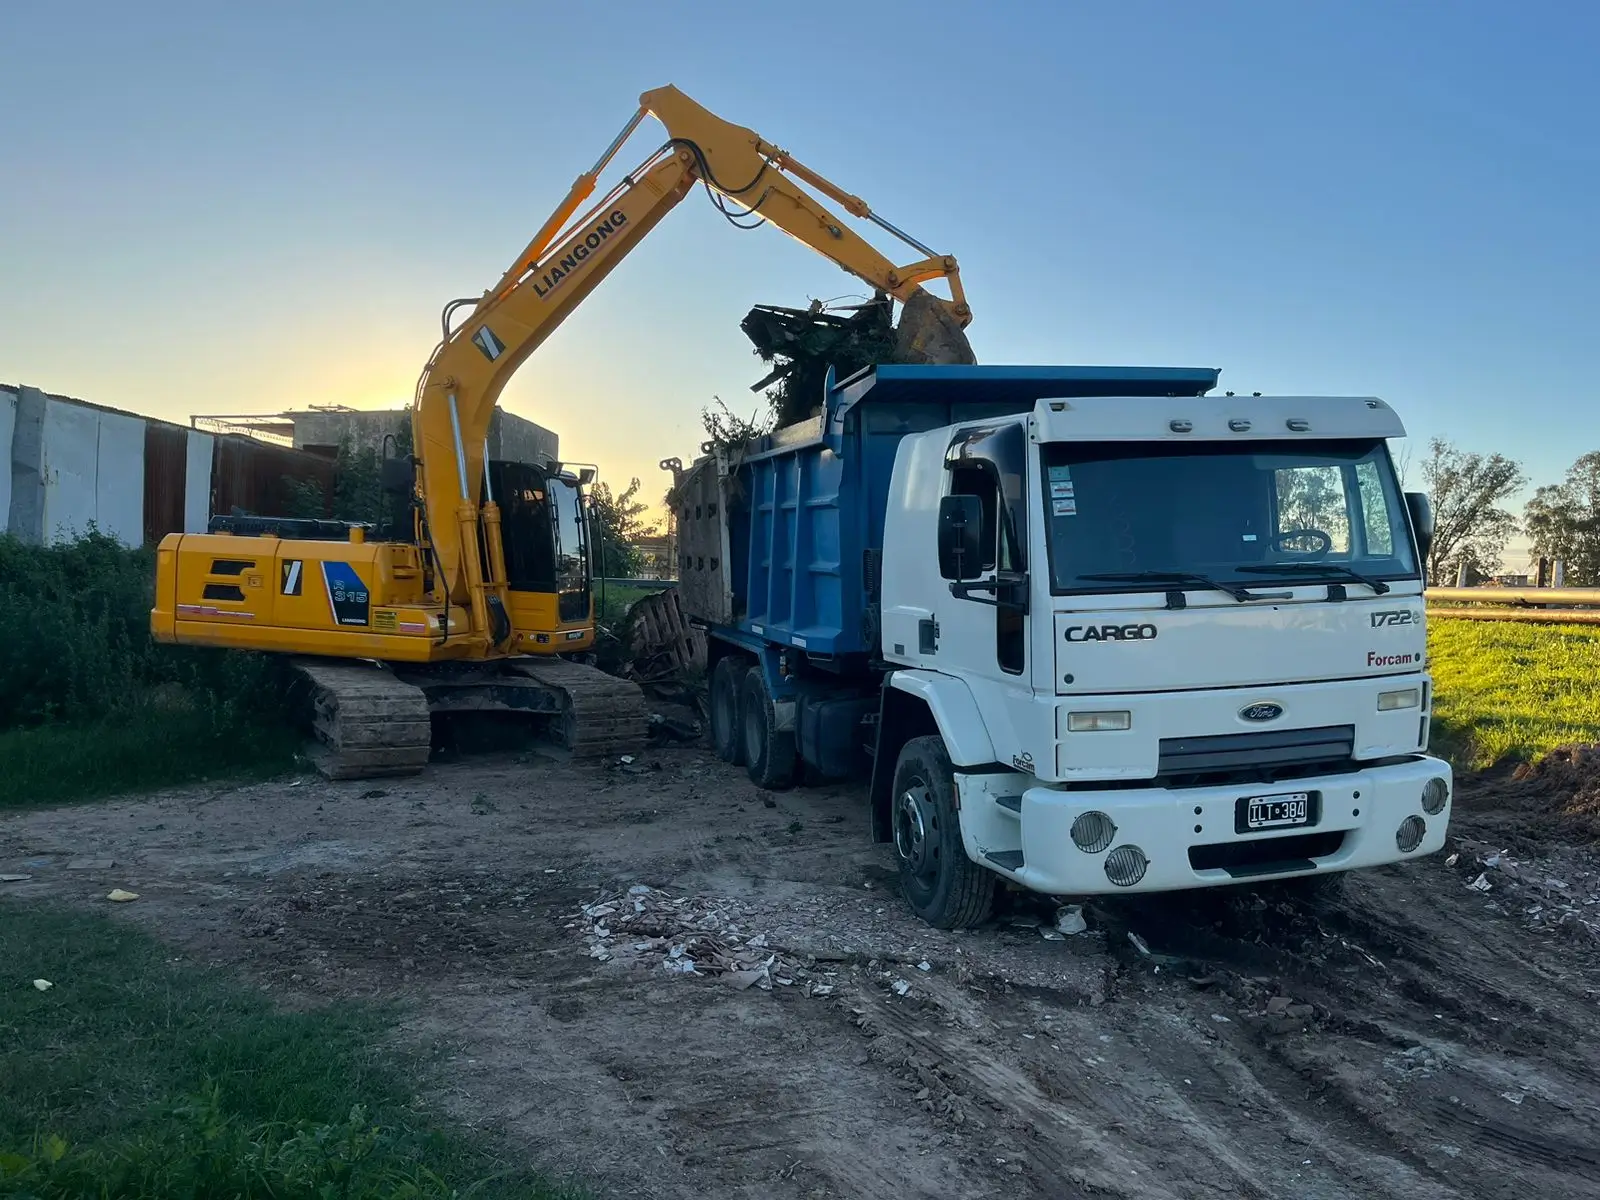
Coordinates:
<point>806,510</point>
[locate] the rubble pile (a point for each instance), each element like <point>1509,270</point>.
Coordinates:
<point>1560,899</point>
<point>691,935</point>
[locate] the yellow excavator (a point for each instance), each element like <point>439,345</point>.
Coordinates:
<point>481,607</point>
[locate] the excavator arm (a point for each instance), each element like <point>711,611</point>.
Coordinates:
<point>568,258</point>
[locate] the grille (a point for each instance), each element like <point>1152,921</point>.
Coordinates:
<point>1270,751</point>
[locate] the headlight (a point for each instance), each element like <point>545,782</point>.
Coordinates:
<point>1404,698</point>
<point>1434,793</point>
<point>1091,722</point>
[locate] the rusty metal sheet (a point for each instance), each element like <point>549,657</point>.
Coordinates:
<point>165,465</point>
<point>248,478</point>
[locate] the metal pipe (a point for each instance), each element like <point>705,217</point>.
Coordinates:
<point>461,453</point>
<point>1531,616</point>
<point>1510,595</point>
<point>488,484</point>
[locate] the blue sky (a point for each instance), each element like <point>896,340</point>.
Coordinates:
<point>218,207</point>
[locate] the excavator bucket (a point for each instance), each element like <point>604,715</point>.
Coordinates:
<point>929,332</point>
<point>803,343</point>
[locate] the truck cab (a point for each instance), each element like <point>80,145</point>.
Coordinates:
<point>1121,635</point>
<point>1192,631</point>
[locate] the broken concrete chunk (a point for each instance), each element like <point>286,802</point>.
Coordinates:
<point>118,896</point>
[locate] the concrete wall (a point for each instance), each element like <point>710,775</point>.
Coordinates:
<point>8,424</point>
<point>510,437</point>
<point>26,452</point>
<point>92,466</point>
<point>197,482</point>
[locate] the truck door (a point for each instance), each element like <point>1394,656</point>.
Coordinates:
<point>983,630</point>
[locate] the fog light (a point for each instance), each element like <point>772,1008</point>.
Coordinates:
<point>1434,793</point>
<point>1404,698</point>
<point>1126,865</point>
<point>1409,836</point>
<point>1092,832</point>
<point>1091,722</point>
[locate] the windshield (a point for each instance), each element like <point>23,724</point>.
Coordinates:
<point>1262,514</point>
<point>570,548</point>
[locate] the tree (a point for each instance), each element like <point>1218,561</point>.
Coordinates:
<point>1563,521</point>
<point>616,523</point>
<point>1467,490</point>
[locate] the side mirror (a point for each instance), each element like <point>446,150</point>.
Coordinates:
<point>960,537</point>
<point>397,476</point>
<point>1421,509</point>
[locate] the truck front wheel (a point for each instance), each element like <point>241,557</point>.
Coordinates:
<point>769,755</point>
<point>943,886</point>
<point>727,737</point>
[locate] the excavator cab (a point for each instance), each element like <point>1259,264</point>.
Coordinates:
<point>544,532</point>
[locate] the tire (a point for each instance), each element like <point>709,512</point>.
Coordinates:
<point>941,884</point>
<point>769,756</point>
<point>727,733</point>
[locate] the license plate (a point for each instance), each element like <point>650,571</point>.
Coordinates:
<point>1277,812</point>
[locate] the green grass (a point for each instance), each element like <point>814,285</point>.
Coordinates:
<point>1506,690</point>
<point>134,1078</point>
<point>139,749</point>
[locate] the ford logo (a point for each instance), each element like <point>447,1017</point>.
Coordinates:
<point>1261,712</point>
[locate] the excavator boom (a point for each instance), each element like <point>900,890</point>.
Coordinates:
<point>568,258</point>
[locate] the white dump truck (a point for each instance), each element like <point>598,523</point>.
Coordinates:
<point>1087,629</point>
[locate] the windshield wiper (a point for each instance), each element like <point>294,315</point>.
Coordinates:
<point>1237,590</point>
<point>1378,586</point>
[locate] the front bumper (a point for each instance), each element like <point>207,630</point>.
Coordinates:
<point>1189,837</point>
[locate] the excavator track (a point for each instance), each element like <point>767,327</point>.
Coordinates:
<point>600,714</point>
<point>368,723</point>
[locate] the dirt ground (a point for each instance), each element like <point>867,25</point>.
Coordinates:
<point>1433,1032</point>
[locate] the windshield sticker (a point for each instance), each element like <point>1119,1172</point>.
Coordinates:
<point>1064,508</point>
<point>1249,537</point>
<point>1060,474</point>
<point>1060,491</point>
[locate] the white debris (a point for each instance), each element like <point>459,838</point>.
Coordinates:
<point>118,896</point>
<point>43,985</point>
<point>14,878</point>
<point>1221,1020</point>
<point>639,889</point>
<point>901,987</point>
<point>1513,1097</point>
<point>679,966</point>
<point>1452,860</point>
<point>1481,884</point>
<point>1051,935</point>
<point>1139,943</point>
<point>1069,919</point>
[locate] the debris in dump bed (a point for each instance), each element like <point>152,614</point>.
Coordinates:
<point>804,343</point>
<point>687,935</point>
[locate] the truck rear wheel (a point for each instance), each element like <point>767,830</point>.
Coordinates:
<point>769,755</point>
<point>943,886</point>
<point>727,733</point>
